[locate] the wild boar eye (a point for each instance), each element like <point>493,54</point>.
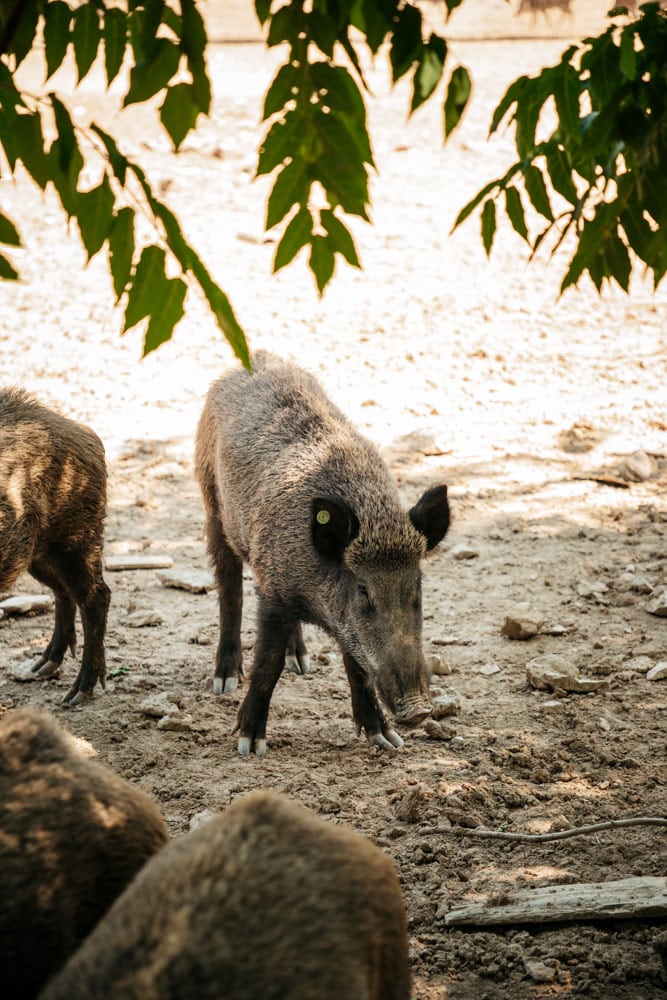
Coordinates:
<point>365,597</point>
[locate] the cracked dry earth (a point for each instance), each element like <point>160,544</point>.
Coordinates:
<point>462,370</point>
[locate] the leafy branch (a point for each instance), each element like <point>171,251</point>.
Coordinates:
<point>166,47</point>
<point>605,163</point>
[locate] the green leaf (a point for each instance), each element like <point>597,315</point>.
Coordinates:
<point>291,187</point>
<point>95,215</point>
<point>488,224</point>
<point>167,315</point>
<point>591,239</point>
<point>514,209</point>
<point>560,174</point>
<point>29,146</point>
<point>470,207</point>
<point>285,25</point>
<point>222,310</point>
<point>121,249</point>
<point>375,21</point>
<point>115,40</point>
<point>9,234</point>
<point>282,140</point>
<point>23,36</point>
<point>337,90</point>
<point>67,143</point>
<point>179,113</point>
<point>149,77</point>
<point>339,237</point>
<point>322,31</point>
<point>321,261</point>
<point>628,55</point>
<point>537,191</point>
<point>57,16</point>
<point>566,93</point>
<point>194,45</point>
<point>147,285</point>
<point>86,37</point>
<point>406,42</point>
<point>512,95</point>
<point>7,271</point>
<point>149,25</point>
<point>297,233</point>
<point>458,95</point>
<point>281,90</point>
<point>119,163</point>
<point>343,139</point>
<point>429,71</point>
<point>618,262</point>
<point>262,9</point>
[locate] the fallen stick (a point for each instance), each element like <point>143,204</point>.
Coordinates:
<point>543,838</point>
<point>630,898</point>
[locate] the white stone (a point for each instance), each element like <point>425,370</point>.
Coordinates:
<point>489,669</point>
<point>556,673</point>
<point>658,672</point>
<point>464,551</point>
<point>175,723</point>
<point>540,972</point>
<point>201,818</point>
<point>159,705</point>
<point>658,605</point>
<point>439,666</point>
<point>638,467</point>
<point>143,619</point>
<point>522,622</point>
<point>193,580</point>
<point>444,705</point>
<point>23,604</point>
<point>137,560</point>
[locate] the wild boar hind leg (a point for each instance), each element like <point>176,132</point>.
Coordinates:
<point>229,577</point>
<point>366,708</point>
<point>297,659</point>
<point>64,634</point>
<point>273,633</point>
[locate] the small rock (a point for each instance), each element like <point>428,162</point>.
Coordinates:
<point>23,672</point>
<point>555,672</point>
<point>193,580</point>
<point>640,585</point>
<point>637,467</point>
<point>540,972</point>
<point>457,741</point>
<point>175,723</point>
<point>408,809</point>
<point>553,706</point>
<point>439,666</point>
<point>463,551</point>
<point>450,640</point>
<point>200,819</point>
<point>159,705</point>
<point>522,622</point>
<point>445,705</point>
<point>658,672</point>
<point>604,724</point>
<point>137,560</point>
<point>23,604</point>
<point>555,630</point>
<point>638,664</point>
<point>200,639</point>
<point>658,605</point>
<point>142,619</point>
<point>591,588</point>
<point>489,669</point>
<point>438,731</point>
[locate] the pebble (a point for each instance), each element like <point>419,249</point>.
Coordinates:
<point>553,706</point>
<point>438,731</point>
<point>142,619</point>
<point>444,705</point>
<point>658,605</point>
<point>193,580</point>
<point>137,560</point>
<point>159,705</point>
<point>464,551</point>
<point>440,666</point>
<point>489,669</point>
<point>658,672</point>
<point>594,588</point>
<point>23,604</point>
<point>557,673</point>
<point>201,818</point>
<point>522,622</point>
<point>408,809</point>
<point>540,972</point>
<point>637,467</point>
<point>23,672</point>
<point>175,723</point>
<point>554,630</point>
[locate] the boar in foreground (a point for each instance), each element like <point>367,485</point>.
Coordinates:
<point>52,510</point>
<point>72,836</point>
<point>264,901</point>
<point>292,488</point>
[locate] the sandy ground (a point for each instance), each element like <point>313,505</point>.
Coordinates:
<point>463,370</point>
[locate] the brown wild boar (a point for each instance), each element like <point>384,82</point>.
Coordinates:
<point>266,900</point>
<point>52,509</point>
<point>292,488</point>
<point>72,836</point>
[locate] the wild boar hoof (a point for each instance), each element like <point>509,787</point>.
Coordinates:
<point>230,684</point>
<point>74,698</point>
<point>48,669</point>
<point>245,745</point>
<point>389,742</point>
<point>297,666</point>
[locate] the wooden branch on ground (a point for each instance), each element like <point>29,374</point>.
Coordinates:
<point>628,898</point>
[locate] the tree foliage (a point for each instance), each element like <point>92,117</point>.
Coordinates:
<point>602,172</point>
<point>165,46</point>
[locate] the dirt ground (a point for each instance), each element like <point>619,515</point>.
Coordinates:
<point>465,370</point>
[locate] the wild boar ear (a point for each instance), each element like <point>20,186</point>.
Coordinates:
<point>333,525</point>
<point>430,515</point>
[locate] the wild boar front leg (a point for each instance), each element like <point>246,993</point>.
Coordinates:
<point>366,708</point>
<point>64,634</point>
<point>228,570</point>
<point>297,659</point>
<point>270,646</point>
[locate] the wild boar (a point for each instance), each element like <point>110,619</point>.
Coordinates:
<point>292,488</point>
<point>72,836</point>
<point>265,900</point>
<point>52,509</point>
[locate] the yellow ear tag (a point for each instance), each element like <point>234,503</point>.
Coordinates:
<point>323,517</point>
